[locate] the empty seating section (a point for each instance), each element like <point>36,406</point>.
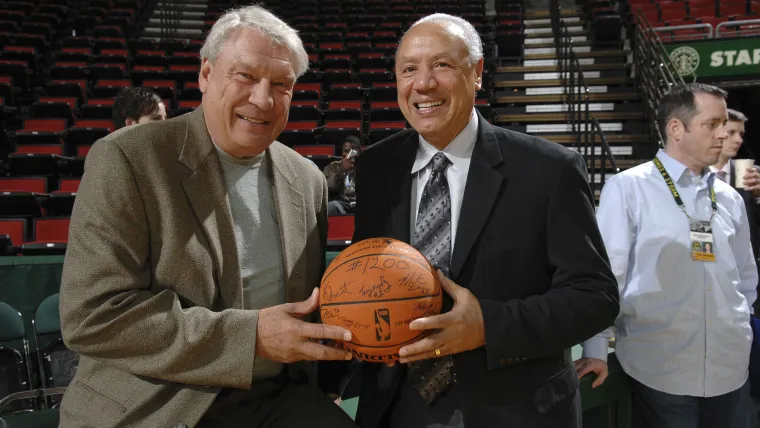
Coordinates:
<point>688,12</point>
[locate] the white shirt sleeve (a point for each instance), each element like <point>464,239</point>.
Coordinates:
<point>618,231</point>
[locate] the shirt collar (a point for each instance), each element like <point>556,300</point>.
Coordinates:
<point>228,158</point>
<point>677,170</point>
<point>458,150</point>
<point>726,168</point>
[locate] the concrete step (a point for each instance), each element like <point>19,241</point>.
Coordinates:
<point>564,117</point>
<point>573,30</point>
<point>612,139</point>
<point>539,14</point>
<point>580,52</point>
<point>588,74</point>
<point>553,68</point>
<point>558,95</point>
<point>557,82</point>
<point>547,22</point>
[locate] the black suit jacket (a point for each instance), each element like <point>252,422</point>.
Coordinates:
<point>529,249</point>
<point>753,214</point>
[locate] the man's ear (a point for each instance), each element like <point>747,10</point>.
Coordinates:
<point>479,75</point>
<point>204,75</point>
<point>676,129</point>
<point>129,121</point>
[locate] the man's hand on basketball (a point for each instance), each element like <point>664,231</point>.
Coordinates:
<point>282,337</point>
<point>459,330</point>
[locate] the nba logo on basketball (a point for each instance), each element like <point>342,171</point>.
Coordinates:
<point>382,325</point>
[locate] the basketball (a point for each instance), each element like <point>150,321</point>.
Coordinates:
<point>375,288</point>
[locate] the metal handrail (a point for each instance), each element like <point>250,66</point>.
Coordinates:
<point>734,24</point>
<point>708,27</point>
<point>655,73</point>
<point>605,148</point>
<point>583,124</point>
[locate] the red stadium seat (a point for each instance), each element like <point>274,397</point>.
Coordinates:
<point>29,184</point>
<point>51,229</point>
<point>45,125</point>
<point>340,231</point>
<point>69,185</point>
<point>317,149</point>
<point>51,149</point>
<point>15,228</point>
<point>335,132</point>
<point>343,110</point>
<point>101,123</point>
<point>82,151</point>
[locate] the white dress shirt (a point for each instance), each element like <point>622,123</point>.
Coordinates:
<point>726,168</point>
<point>459,153</point>
<point>729,179</point>
<point>683,327</point>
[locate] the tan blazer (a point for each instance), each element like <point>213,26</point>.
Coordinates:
<point>151,295</point>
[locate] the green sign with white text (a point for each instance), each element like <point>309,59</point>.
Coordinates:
<point>716,57</point>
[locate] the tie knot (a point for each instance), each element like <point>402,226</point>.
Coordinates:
<point>439,162</point>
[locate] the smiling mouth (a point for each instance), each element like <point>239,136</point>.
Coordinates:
<point>252,120</point>
<point>428,105</point>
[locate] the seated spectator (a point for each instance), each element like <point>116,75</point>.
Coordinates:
<point>340,179</point>
<point>134,106</point>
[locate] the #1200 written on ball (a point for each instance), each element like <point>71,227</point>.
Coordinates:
<point>375,288</point>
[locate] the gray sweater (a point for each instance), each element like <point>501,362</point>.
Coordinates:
<point>257,236</point>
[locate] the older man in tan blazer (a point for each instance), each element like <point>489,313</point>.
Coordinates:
<point>195,247</point>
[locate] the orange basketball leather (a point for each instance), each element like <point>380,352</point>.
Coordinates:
<point>376,288</point>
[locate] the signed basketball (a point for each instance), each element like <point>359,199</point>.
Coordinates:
<point>375,288</point>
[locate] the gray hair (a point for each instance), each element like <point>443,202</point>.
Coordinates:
<point>259,19</point>
<point>469,34</point>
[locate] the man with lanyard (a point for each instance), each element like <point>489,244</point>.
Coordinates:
<point>678,242</point>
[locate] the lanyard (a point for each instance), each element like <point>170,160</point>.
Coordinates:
<point>677,197</point>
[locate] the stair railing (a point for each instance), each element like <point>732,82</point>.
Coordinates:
<point>655,74</point>
<point>583,124</point>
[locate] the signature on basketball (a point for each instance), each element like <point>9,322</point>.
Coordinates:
<point>334,313</point>
<point>328,295</point>
<point>330,313</point>
<point>376,290</point>
<point>414,282</point>
<point>424,307</point>
<point>354,325</point>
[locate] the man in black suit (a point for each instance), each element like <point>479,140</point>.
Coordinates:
<point>510,219</point>
<point>726,171</point>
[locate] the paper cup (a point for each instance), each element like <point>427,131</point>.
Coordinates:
<point>740,168</point>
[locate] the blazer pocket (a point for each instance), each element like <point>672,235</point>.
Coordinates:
<point>83,400</point>
<point>557,388</point>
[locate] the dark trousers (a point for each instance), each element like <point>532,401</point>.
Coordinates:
<point>408,410</point>
<point>339,207</point>
<point>655,409</point>
<point>275,404</point>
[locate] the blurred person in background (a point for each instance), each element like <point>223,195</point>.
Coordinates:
<point>134,106</point>
<point>340,178</point>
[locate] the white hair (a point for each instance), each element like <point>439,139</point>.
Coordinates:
<point>259,19</point>
<point>462,29</point>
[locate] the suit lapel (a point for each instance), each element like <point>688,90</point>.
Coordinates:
<point>480,192</point>
<point>400,188</point>
<point>207,194</point>
<point>291,215</point>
